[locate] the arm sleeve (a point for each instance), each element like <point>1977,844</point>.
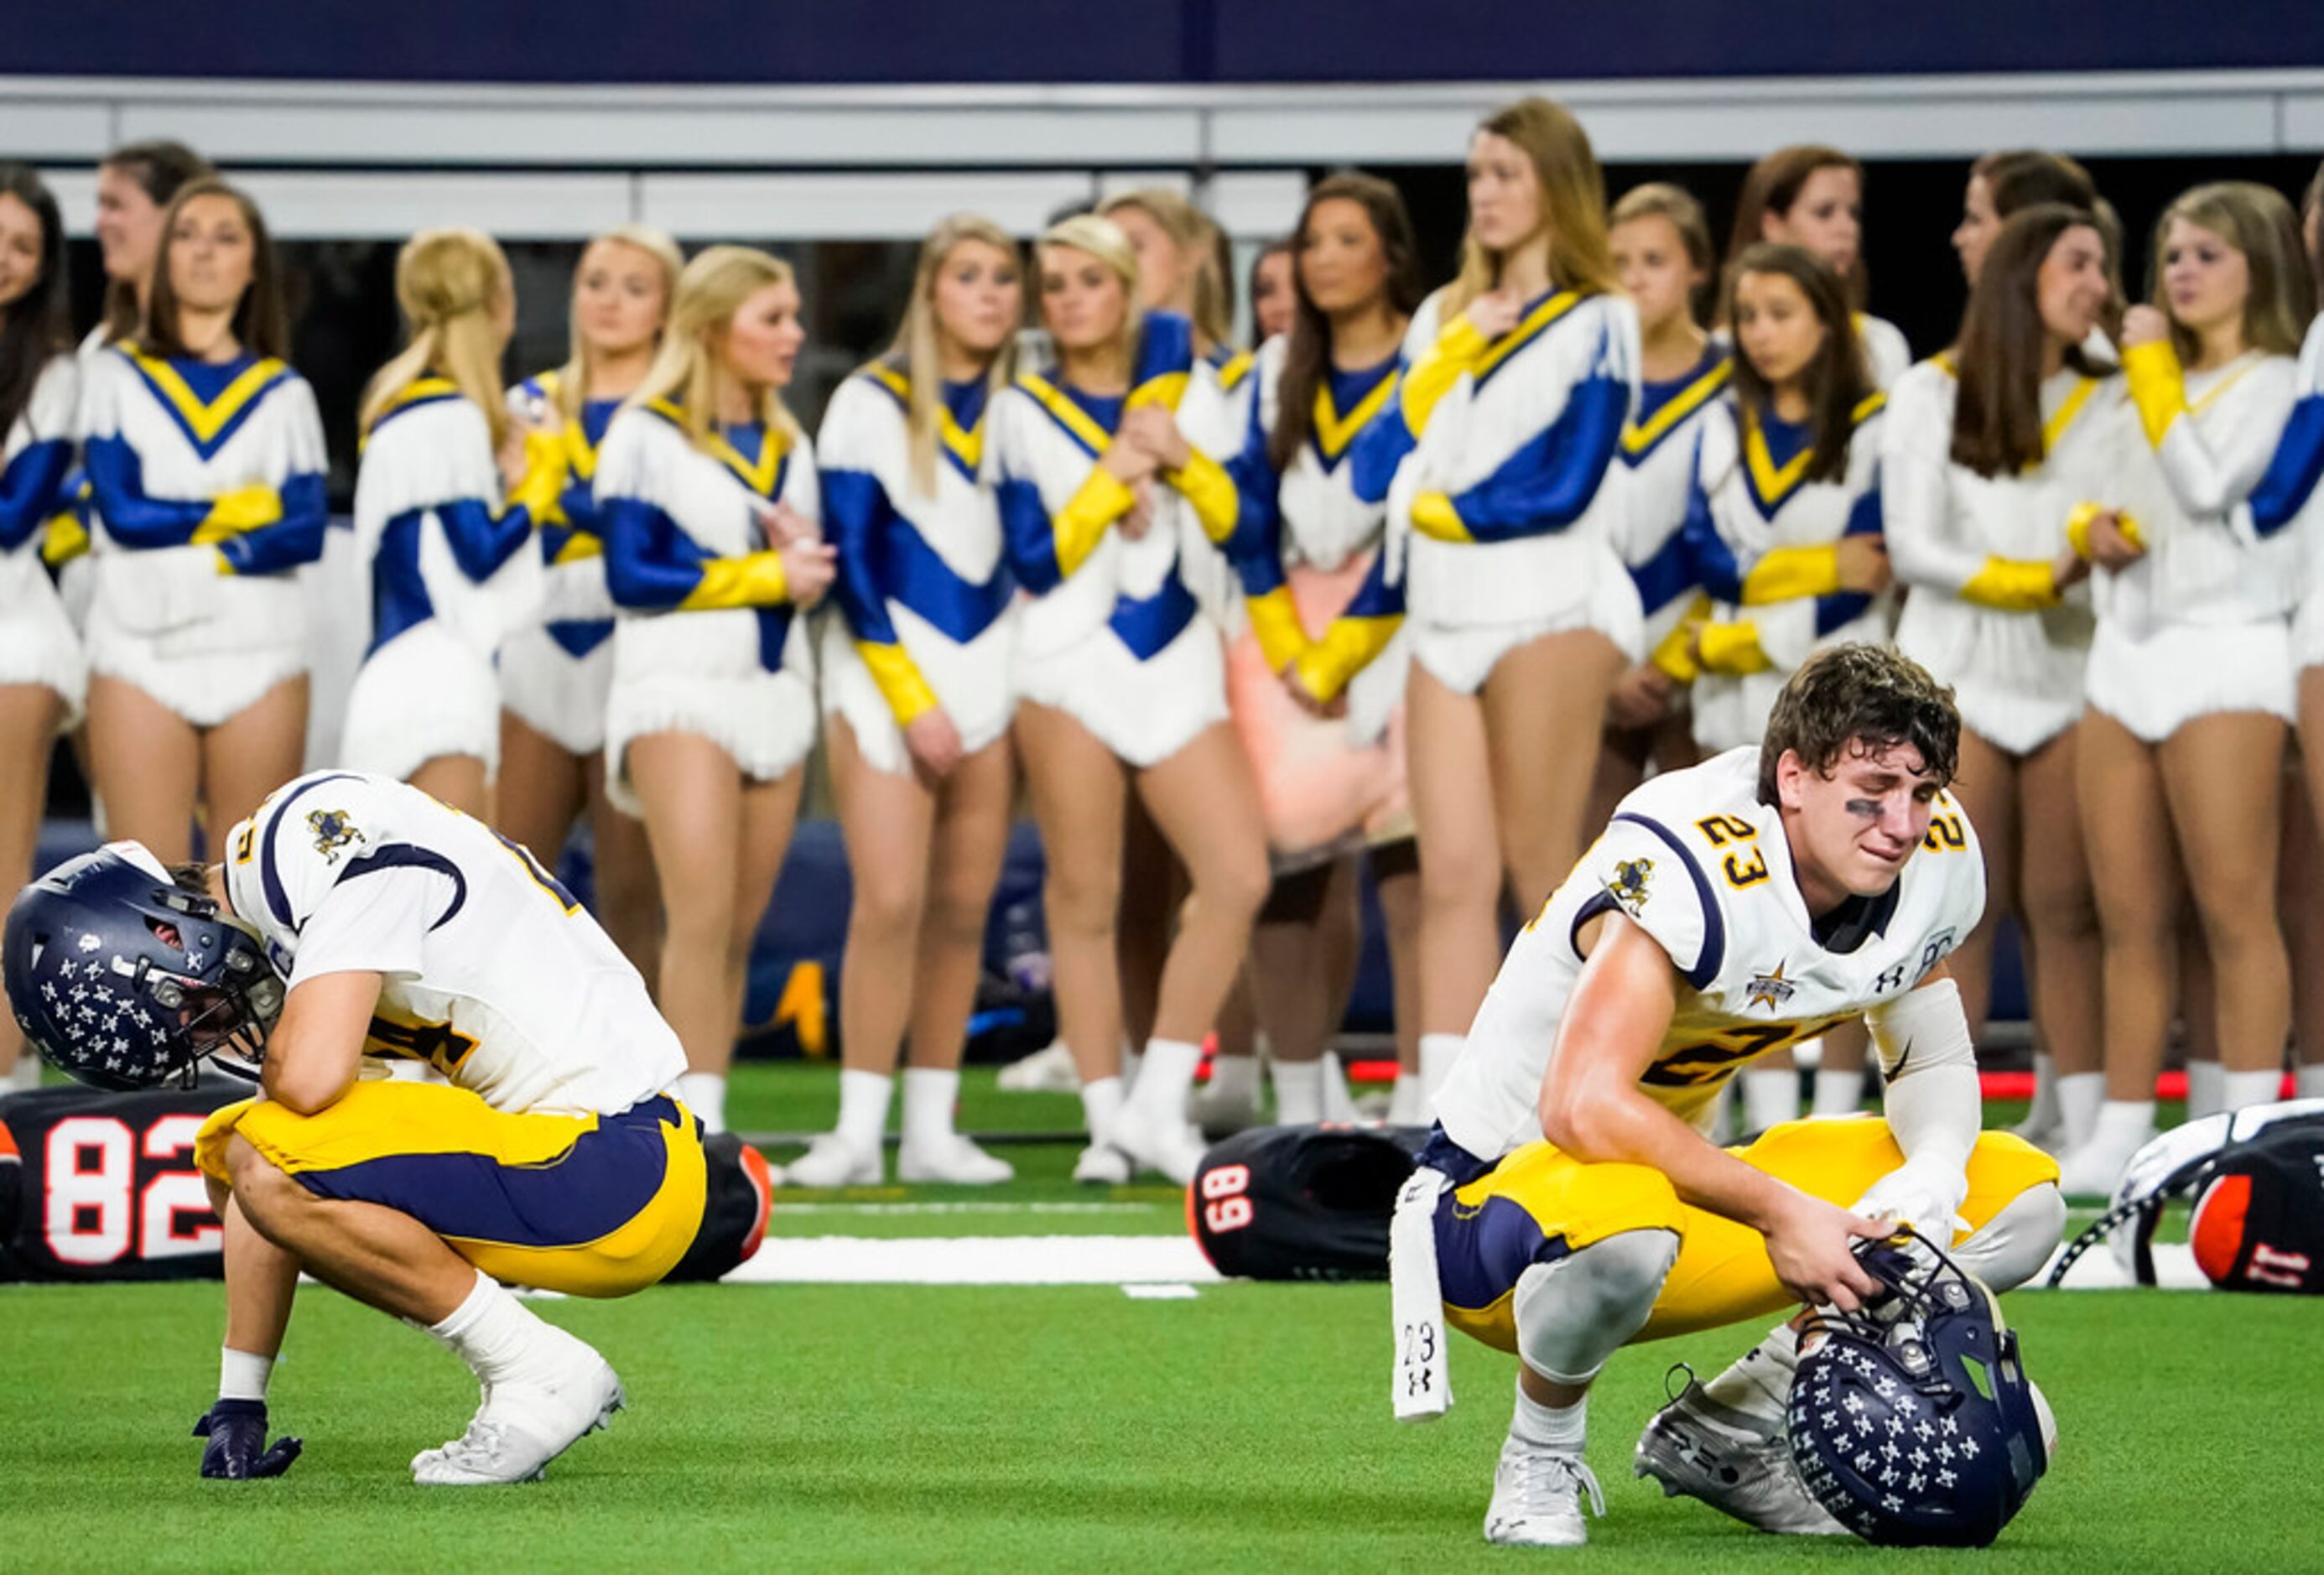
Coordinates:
<point>2208,472</point>
<point>1934,1101</point>
<point>2299,461</point>
<point>116,479</point>
<point>857,514</point>
<point>1045,550</point>
<point>31,487</point>
<point>1358,634</point>
<point>1546,484</point>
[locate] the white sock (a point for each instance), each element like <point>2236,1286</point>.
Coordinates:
<point>1299,1092</point>
<point>1129,1059</point>
<point>2309,1081</point>
<point>1165,1077</point>
<point>2123,1128</point>
<point>1234,1081</point>
<point>1561,1428</point>
<point>1838,1093</point>
<point>1770,1097</point>
<point>705,1093</point>
<point>1100,1103</point>
<point>27,1076</point>
<point>931,1098</point>
<point>1438,1052</point>
<point>491,1331</point>
<point>2044,1111</point>
<point>1758,1386</point>
<point>2207,1089</point>
<point>2239,1091</point>
<point>243,1374</point>
<point>1337,1104</point>
<point>1407,1103</point>
<point>863,1107</point>
<point>2079,1094</point>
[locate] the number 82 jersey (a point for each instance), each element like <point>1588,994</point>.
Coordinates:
<point>1695,860</point>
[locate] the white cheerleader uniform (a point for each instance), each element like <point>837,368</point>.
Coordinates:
<point>37,643</point>
<point>708,641</point>
<point>1506,512</point>
<point>924,598</point>
<point>2290,492</point>
<point>1751,499</point>
<point>1658,451</point>
<point>557,673</point>
<point>1977,551</point>
<point>1887,354</point>
<point>2201,624</point>
<point>193,606</point>
<point>1329,513</point>
<point>1113,633</point>
<point>450,577</point>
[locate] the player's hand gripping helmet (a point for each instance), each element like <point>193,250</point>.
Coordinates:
<point>1913,1422</point>
<point>125,980</point>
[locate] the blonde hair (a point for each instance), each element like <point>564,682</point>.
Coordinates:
<point>710,290</point>
<point>573,377</point>
<point>1196,237</point>
<point>446,281</point>
<point>916,340</point>
<point>2256,221</point>
<point>1661,200</point>
<point>1102,239</point>
<point>1571,192</point>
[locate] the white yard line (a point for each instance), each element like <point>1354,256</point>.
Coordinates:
<point>977,1261</point>
<point>997,1206</point>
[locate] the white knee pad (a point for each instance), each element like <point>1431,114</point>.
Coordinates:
<point>2012,1246</point>
<point>1573,1314</point>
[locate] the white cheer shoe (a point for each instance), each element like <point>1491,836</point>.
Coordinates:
<point>1537,1495</point>
<point>951,1159</point>
<point>834,1161</point>
<point>1168,1146</point>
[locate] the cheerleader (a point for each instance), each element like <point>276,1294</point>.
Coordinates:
<point>449,574</point>
<point>1661,245</point>
<point>1989,450</point>
<point>1177,251</point>
<point>1316,685</point>
<point>708,490</point>
<point>1812,198</point>
<point>556,673</point>
<point>1524,373</point>
<point>2294,489</point>
<point>1274,291</point>
<point>2006,183</point>
<point>1121,681</point>
<point>42,677</point>
<point>205,456</point>
<point>917,695</point>
<point>2190,668</point>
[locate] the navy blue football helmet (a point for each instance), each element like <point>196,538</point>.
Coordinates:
<point>124,980</point>
<point>1912,1421</point>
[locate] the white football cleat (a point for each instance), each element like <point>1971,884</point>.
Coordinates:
<point>1170,1147</point>
<point>953,1159</point>
<point>1215,1111</point>
<point>1537,1495</point>
<point>1046,1071</point>
<point>1102,1164</point>
<point>1698,1448</point>
<point>526,1423</point>
<point>832,1161</point>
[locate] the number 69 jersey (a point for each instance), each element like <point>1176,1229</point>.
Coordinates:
<point>492,972</point>
<point>1695,860</point>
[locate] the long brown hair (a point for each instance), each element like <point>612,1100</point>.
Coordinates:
<point>1307,358</point>
<point>2016,179</point>
<point>36,327</point>
<point>2256,221</point>
<point>1571,189</point>
<point>159,168</point>
<point>260,324</point>
<point>1836,381</point>
<point>1774,186</point>
<point>1997,413</point>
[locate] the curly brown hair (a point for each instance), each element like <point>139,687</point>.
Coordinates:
<point>1861,694</point>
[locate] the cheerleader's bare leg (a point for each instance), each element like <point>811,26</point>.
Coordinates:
<point>2065,960</point>
<point>458,780</point>
<point>629,893</point>
<point>1544,710</point>
<point>147,761</point>
<point>28,732</point>
<point>540,791</point>
<point>252,753</point>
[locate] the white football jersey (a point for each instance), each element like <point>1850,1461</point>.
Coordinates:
<point>492,974</point>
<point>1694,859</point>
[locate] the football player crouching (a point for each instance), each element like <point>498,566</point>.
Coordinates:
<point>1728,910</point>
<point>354,919</point>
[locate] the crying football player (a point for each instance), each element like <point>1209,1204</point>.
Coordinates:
<point>1572,1201</point>
<point>354,921</point>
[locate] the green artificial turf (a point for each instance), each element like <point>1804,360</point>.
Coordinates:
<point>966,1428</point>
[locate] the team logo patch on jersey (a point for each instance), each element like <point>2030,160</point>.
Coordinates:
<point>1770,990</point>
<point>333,831</point>
<point>1629,883</point>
